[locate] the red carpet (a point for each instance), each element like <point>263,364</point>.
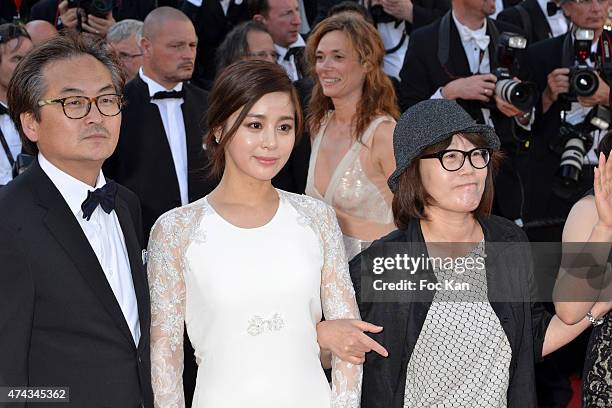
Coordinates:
<point>577,396</point>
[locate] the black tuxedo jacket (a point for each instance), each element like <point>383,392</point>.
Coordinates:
<point>212,26</point>
<point>426,12</point>
<point>143,161</point>
<point>543,203</point>
<point>540,29</point>
<point>61,324</point>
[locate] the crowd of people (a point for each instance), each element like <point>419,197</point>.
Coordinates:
<point>191,194</point>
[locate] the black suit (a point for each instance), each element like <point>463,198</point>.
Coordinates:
<point>421,76</point>
<point>143,159</point>
<point>60,321</point>
<point>543,203</point>
<point>540,29</point>
<point>212,26</point>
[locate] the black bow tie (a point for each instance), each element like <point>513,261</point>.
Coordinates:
<point>104,196</point>
<point>169,95</point>
<point>3,110</point>
<point>552,8</point>
<point>295,51</point>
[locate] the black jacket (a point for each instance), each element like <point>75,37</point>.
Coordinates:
<point>136,9</point>
<point>60,322</point>
<point>143,160</point>
<point>212,26</point>
<point>525,323</point>
<point>533,23</point>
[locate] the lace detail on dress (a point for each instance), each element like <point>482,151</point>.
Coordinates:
<point>598,366</point>
<point>337,293</point>
<point>258,324</point>
<point>166,249</point>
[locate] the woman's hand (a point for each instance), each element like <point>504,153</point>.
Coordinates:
<point>602,185</point>
<point>346,339</point>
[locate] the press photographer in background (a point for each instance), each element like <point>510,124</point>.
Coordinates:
<point>463,57</point>
<point>396,19</point>
<point>15,43</point>
<point>573,115</point>
<point>92,16</point>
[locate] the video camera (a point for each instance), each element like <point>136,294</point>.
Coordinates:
<point>523,95</point>
<point>98,8</point>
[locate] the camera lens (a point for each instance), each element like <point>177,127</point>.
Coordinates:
<point>584,82</point>
<point>571,160</point>
<point>520,94</point>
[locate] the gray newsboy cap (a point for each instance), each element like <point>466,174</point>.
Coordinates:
<point>427,123</point>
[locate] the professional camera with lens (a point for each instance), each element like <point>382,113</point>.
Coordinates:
<point>98,8</point>
<point>575,141</point>
<point>583,80</point>
<point>523,95</point>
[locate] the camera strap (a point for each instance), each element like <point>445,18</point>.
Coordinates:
<point>604,58</point>
<point>7,150</point>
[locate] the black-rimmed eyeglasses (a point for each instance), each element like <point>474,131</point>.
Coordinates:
<point>77,107</point>
<point>452,160</point>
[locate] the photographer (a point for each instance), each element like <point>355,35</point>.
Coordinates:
<point>396,19</point>
<point>15,43</point>
<point>455,58</point>
<point>96,16</point>
<point>566,115</point>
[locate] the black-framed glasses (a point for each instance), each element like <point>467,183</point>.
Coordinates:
<point>77,107</point>
<point>453,160</point>
<point>12,31</point>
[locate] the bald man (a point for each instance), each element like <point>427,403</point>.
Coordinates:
<point>40,31</point>
<point>160,155</point>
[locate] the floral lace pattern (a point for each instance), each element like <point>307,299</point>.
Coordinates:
<point>172,235</point>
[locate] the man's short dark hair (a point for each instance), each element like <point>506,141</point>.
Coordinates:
<point>27,86</point>
<point>258,7</point>
<point>11,31</point>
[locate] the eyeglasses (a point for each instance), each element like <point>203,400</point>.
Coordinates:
<point>590,2</point>
<point>452,160</point>
<point>11,32</point>
<point>77,107</point>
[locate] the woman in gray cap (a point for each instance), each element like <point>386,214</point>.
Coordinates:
<point>447,347</point>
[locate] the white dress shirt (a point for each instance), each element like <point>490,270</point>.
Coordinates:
<point>224,4</point>
<point>499,6</point>
<point>14,143</point>
<point>304,26</point>
<point>557,22</point>
<point>289,65</point>
<point>174,126</point>
<point>105,236</point>
<point>391,37</point>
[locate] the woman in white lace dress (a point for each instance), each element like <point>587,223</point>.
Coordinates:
<point>249,269</point>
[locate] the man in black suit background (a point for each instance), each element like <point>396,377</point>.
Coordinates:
<point>454,58</point>
<point>160,154</point>
<point>213,20</point>
<point>74,299</point>
<point>550,61</point>
<point>538,19</point>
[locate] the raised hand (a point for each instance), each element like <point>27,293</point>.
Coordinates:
<point>602,185</point>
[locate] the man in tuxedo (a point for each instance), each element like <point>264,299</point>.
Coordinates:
<point>74,299</point>
<point>160,154</point>
<point>212,21</point>
<point>283,21</point>
<point>538,19</point>
<point>454,58</point>
<point>15,43</point>
<point>550,61</point>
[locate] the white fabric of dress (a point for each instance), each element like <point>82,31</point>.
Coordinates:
<point>251,299</point>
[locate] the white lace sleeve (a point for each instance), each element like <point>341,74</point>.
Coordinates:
<point>338,299</point>
<point>167,289</point>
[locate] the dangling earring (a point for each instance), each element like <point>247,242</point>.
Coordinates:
<point>217,139</point>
